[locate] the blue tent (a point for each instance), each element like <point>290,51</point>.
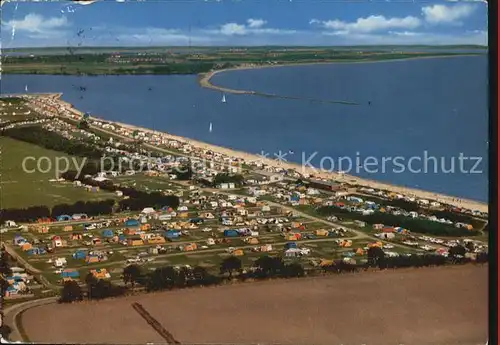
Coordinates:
<point>107,233</point>
<point>131,222</point>
<point>79,254</point>
<point>121,237</point>
<point>35,251</point>
<point>290,245</point>
<point>171,234</point>
<point>63,217</point>
<point>70,274</point>
<point>231,233</point>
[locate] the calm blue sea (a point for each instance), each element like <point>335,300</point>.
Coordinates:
<point>407,108</point>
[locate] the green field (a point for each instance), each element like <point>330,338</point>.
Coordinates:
<point>20,188</point>
<point>91,61</point>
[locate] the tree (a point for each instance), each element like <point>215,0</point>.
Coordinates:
<point>457,253</point>
<point>375,255</point>
<point>229,265</point>
<point>4,263</point>
<point>91,283</point>
<point>132,274</point>
<point>5,331</point>
<point>269,266</point>
<point>71,292</point>
<point>294,270</point>
<point>161,278</point>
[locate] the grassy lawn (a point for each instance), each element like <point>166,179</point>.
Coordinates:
<point>20,188</point>
<point>147,183</point>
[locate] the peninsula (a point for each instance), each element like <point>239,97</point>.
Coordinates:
<point>196,60</point>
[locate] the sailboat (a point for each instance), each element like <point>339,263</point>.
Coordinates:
<point>223,98</point>
<point>26,88</point>
<point>210,127</point>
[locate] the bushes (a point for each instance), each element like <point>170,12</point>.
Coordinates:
<point>237,179</point>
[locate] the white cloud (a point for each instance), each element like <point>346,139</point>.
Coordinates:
<point>157,36</point>
<point>35,23</point>
<point>479,37</point>
<point>406,33</point>
<point>233,29</point>
<point>442,14</point>
<point>256,23</point>
<point>253,27</point>
<point>369,24</point>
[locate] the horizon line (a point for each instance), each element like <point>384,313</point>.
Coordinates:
<point>247,46</point>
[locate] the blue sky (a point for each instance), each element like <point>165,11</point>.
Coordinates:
<point>243,22</point>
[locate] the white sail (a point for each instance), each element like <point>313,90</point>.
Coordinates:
<point>223,98</point>
<point>210,127</point>
<point>26,88</point>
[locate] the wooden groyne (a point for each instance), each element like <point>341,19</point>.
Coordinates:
<point>169,338</point>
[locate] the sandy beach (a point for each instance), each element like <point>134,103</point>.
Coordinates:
<point>248,157</point>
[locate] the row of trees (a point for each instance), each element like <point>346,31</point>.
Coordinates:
<point>52,141</point>
<point>137,201</point>
<point>412,206</point>
<point>265,267</point>
<point>31,214</point>
<point>96,289</point>
<point>422,226</point>
<point>237,179</point>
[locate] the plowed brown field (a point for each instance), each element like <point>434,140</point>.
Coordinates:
<point>412,307</point>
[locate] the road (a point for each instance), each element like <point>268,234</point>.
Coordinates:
<point>11,313</point>
<point>29,267</point>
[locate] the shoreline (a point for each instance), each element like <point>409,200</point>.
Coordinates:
<point>204,78</point>
<point>337,177</point>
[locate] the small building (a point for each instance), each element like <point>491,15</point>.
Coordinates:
<point>324,185</point>
<point>386,235</point>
